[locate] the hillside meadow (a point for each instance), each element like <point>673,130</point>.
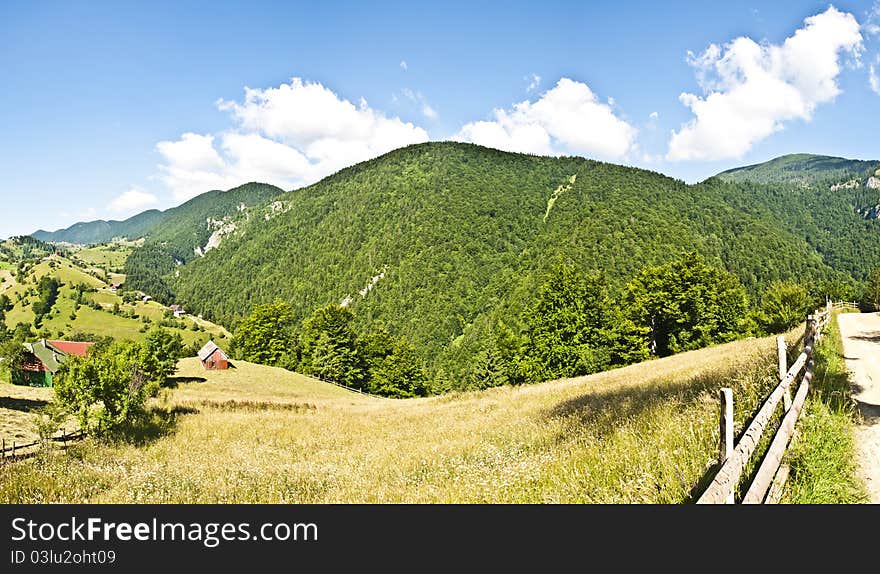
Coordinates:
<point>639,434</point>
<point>65,320</point>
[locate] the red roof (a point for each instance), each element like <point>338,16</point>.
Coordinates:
<point>72,348</point>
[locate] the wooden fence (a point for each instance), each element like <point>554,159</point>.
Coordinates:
<point>767,484</point>
<point>11,450</point>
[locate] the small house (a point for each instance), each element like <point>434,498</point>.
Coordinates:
<point>146,298</point>
<point>178,311</point>
<point>213,358</point>
<point>115,286</point>
<point>43,359</point>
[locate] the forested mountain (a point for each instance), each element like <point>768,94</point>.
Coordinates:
<point>802,169</point>
<point>91,232</point>
<point>184,227</point>
<point>441,243</point>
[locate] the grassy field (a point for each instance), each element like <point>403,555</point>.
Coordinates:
<point>18,406</point>
<point>111,256</point>
<point>644,433</point>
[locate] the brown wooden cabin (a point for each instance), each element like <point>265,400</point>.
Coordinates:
<point>213,358</point>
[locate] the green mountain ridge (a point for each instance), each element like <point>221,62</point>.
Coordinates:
<point>100,231</point>
<point>184,224</point>
<point>438,242</point>
<point>802,168</point>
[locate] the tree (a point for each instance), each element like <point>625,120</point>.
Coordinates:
<point>871,295</point>
<point>107,388</point>
<point>783,305</point>
<point>329,348</point>
<point>266,335</point>
<point>569,330</point>
<point>166,348</point>
<point>11,357</point>
<point>686,304</point>
<point>400,374</point>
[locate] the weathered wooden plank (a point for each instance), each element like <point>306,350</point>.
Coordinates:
<point>726,434</point>
<point>731,470</point>
<point>774,495</point>
<point>773,458</point>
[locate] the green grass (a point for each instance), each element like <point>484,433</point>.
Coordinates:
<point>106,256</point>
<point>88,320</point>
<point>823,455</point>
<point>646,433</point>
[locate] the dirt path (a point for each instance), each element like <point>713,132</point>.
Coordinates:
<point>861,349</point>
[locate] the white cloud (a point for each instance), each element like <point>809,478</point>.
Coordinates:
<point>873,79</point>
<point>131,201</point>
<point>290,135</point>
<point>534,82</point>
<point>753,89</point>
<point>567,118</point>
<point>872,22</point>
<point>429,112</point>
<point>653,115</point>
<point>418,98</point>
<point>403,65</point>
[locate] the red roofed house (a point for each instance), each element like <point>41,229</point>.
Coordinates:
<point>213,358</point>
<point>43,359</point>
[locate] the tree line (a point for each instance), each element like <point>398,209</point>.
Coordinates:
<point>576,326</point>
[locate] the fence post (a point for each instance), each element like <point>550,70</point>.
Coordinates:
<point>809,331</point>
<point>726,421</point>
<point>782,354</point>
<point>13,449</point>
<point>4,448</point>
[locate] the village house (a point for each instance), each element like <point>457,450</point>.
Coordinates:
<point>213,358</point>
<point>178,311</point>
<point>43,359</point>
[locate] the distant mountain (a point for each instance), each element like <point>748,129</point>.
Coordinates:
<point>186,230</point>
<point>802,169</point>
<point>87,233</point>
<point>187,225</point>
<point>438,242</point>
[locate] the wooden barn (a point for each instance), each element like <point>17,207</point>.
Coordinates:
<point>213,358</point>
<point>43,359</point>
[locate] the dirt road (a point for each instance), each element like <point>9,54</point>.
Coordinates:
<point>861,349</point>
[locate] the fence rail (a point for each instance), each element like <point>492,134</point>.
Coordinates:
<point>11,450</point>
<point>769,480</point>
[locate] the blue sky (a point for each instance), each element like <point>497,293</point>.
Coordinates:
<point>109,108</point>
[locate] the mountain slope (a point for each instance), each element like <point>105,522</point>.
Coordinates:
<point>87,233</point>
<point>184,227</point>
<point>804,169</point>
<point>437,242</point>
<point>187,228</point>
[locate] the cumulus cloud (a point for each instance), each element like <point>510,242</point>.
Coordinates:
<point>403,65</point>
<point>654,115</point>
<point>290,135</point>
<point>568,118</point>
<point>752,90</point>
<point>131,201</point>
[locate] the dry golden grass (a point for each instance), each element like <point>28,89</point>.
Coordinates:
<point>644,433</point>
<point>18,405</point>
